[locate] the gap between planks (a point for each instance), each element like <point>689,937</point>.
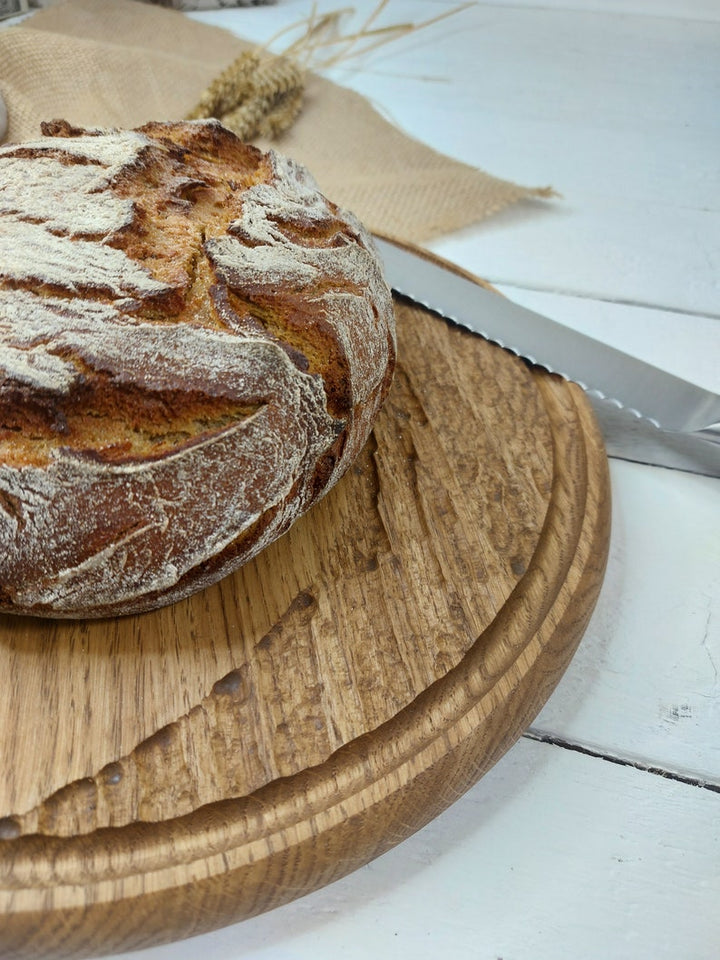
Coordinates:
<point>574,747</point>
<point>509,285</point>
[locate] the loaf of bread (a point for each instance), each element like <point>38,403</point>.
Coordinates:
<point>194,345</point>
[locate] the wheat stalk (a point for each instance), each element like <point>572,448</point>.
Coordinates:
<point>260,93</point>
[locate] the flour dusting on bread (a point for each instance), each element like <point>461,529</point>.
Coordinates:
<point>194,345</point>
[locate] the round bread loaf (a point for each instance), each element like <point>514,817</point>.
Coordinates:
<point>194,345</point>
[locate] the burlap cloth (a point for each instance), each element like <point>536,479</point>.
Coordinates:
<point>122,63</point>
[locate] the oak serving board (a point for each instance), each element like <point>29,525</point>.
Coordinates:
<point>168,773</point>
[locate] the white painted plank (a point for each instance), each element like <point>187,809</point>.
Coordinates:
<point>552,855</point>
<point>675,9</point>
<point>645,683</point>
<point>611,250</point>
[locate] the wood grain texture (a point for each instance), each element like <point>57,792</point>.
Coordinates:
<point>175,771</point>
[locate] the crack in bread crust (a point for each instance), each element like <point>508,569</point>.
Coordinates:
<point>194,345</point>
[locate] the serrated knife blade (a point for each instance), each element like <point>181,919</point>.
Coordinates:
<point>646,414</point>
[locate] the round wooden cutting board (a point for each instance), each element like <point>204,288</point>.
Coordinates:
<point>169,773</point>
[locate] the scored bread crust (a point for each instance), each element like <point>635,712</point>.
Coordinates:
<point>194,346</point>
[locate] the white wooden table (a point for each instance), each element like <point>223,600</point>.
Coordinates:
<point>598,834</point>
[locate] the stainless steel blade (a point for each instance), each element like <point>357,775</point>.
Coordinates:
<point>646,414</point>
<point>633,438</point>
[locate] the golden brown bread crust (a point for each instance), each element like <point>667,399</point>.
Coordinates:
<point>194,345</point>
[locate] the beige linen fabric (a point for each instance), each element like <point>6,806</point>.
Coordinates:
<point>122,63</point>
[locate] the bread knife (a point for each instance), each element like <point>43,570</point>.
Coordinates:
<point>646,414</point>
